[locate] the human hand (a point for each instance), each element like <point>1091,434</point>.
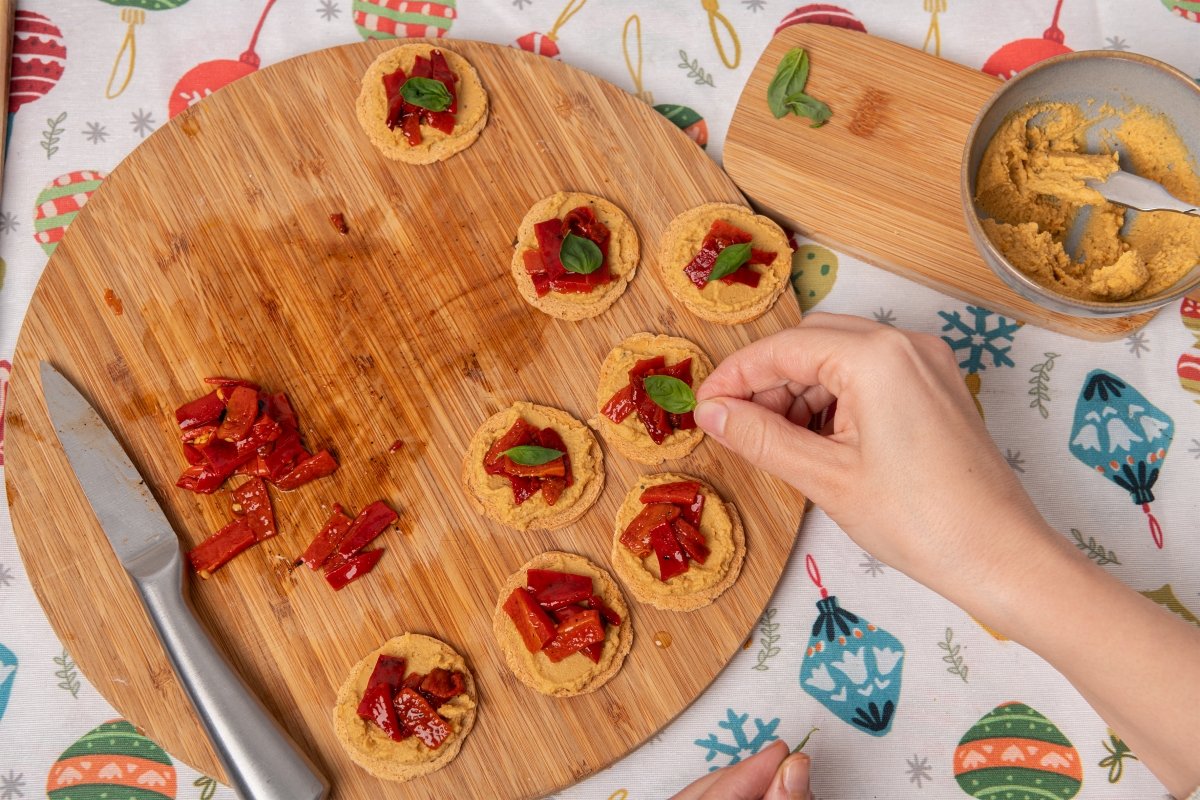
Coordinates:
<point>909,471</point>
<point>770,774</point>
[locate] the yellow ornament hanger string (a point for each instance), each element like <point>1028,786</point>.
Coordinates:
<point>635,23</point>
<point>573,8</point>
<point>132,17</point>
<point>717,20</point>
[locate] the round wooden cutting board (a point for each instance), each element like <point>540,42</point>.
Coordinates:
<point>209,251</point>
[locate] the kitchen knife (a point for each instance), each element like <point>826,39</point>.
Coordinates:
<point>262,763</point>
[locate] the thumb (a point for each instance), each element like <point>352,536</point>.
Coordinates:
<point>771,442</point>
<point>791,779</point>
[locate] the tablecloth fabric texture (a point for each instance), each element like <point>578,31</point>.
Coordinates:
<point>937,678</point>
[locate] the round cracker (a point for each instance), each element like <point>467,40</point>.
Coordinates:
<point>630,438</point>
<point>491,495</point>
<point>682,241</point>
<point>371,108</point>
<point>642,580</point>
<point>623,250</point>
<point>526,665</point>
<point>372,749</point>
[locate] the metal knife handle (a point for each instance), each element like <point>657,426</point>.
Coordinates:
<point>261,761</point>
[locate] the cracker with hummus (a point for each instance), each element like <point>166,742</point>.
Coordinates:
<point>533,467</point>
<point>574,256</point>
<point>420,104</point>
<point>677,544</point>
<point>562,625</point>
<point>406,708</point>
<point>725,263</point>
<point>644,412</point>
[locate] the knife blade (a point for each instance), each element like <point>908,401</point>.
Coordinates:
<point>261,762</point>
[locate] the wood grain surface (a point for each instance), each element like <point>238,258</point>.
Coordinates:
<point>213,244</point>
<point>880,180</point>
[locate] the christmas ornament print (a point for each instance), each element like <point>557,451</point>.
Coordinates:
<point>687,121</point>
<point>133,14</point>
<point>112,762</point>
<point>5,374</point>
<point>1124,437</point>
<point>58,204</point>
<point>1015,753</point>
<point>39,56</point>
<point>547,44</point>
<point>851,667</point>
<point>1016,56</point>
<point>822,14</point>
<point>1188,9</point>
<point>390,19</point>
<point>204,79</point>
<point>1188,366</point>
<point>814,271</point>
<point>8,675</point>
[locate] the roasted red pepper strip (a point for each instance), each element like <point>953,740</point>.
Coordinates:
<point>672,560</point>
<point>532,622</point>
<point>416,714</point>
<point>722,234</point>
<point>208,556</point>
<point>225,383</point>
<point>352,569</point>
<point>557,589</point>
<point>240,413</point>
<point>377,706</point>
<point>369,523</point>
<point>279,408</point>
<point>441,685</point>
<point>200,411</point>
<point>520,433</point>
<point>198,478</point>
<point>388,670</point>
<point>309,469</point>
<point>548,437</point>
<point>523,488</point>
<point>693,512</point>
<point>620,405</point>
<point>637,533</point>
<point>327,540</point>
<point>282,458</point>
<point>691,540</point>
<point>581,630</point>
<point>255,506</point>
<point>681,493</point>
<point>609,616</point>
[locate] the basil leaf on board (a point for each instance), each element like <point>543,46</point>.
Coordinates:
<point>730,260</point>
<point>802,105</point>
<point>790,77</point>
<point>427,93</point>
<point>670,394</point>
<point>579,254</point>
<point>531,455</point>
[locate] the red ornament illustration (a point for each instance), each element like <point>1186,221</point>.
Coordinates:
<point>388,19</point>
<point>1016,56</point>
<point>204,79</point>
<point>822,14</point>
<point>1188,9</point>
<point>38,58</point>
<point>546,44</point>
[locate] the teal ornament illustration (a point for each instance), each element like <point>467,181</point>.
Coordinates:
<point>851,667</point>
<point>8,675</point>
<point>1124,437</point>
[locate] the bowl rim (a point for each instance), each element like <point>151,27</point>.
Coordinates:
<point>1015,278</point>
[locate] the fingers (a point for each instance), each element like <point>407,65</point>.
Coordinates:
<point>804,459</point>
<point>791,779</point>
<point>746,780</point>
<point>801,356</point>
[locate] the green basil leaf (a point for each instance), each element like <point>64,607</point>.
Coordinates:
<point>802,105</point>
<point>790,77</point>
<point>578,254</point>
<point>730,260</point>
<point>670,394</point>
<point>427,93</point>
<point>530,455</point>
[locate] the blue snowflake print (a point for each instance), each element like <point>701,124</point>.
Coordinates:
<point>8,674</point>
<point>981,339</point>
<point>743,744</point>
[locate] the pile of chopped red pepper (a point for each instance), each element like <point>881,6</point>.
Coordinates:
<point>669,527</point>
<point>659,422</point>
<point>403,706</point>
<point>719,236</point>
<point>560,614</point>
<point>254,523</point>
<point>551,478</point>
<point>338,546</point>
<point>546,269</point>
<point>239,429</point>
<point>409,117</point>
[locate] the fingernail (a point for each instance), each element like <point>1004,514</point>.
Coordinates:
<point>795,776</point>
<point>710,415</point>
